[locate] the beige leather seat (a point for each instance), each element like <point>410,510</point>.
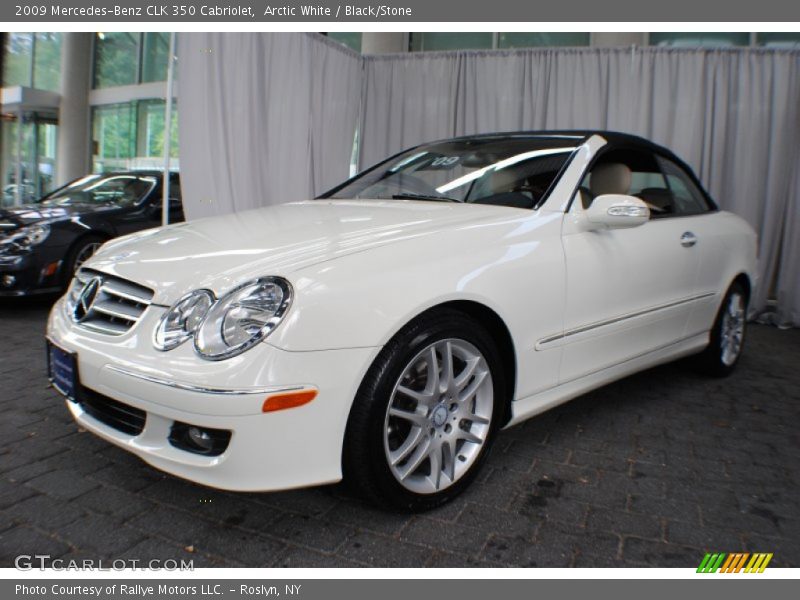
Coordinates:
<point>502,181</point>
<point>610,178</point>
<point>605,178</point>
<point>501,189</point>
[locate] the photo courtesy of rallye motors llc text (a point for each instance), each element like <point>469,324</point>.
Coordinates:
<point>144,591</point>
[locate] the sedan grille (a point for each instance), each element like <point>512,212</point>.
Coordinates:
<point>110,305</point>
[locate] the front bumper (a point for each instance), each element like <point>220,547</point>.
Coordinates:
<point>267,451</point>
<point>29,273</point>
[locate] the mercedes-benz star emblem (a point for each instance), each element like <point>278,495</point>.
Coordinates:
<point>86,298</point>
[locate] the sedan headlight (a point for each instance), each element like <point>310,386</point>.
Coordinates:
<point>243,317</point>
<point>25,237</point>
<point>181,321</point>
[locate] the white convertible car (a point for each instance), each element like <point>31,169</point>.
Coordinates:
<point>385,332</point>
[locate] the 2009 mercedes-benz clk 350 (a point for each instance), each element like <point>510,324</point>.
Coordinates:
<point>387,330</point>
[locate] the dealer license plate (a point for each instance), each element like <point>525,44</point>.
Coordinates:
<point>62,370</point>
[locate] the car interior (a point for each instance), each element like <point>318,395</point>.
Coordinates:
<point>522,186</point>
<point>633,173</point>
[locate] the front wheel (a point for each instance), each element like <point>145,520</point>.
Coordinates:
<point>727,335</point>
<point>425,414</point>
<point>80,253</point>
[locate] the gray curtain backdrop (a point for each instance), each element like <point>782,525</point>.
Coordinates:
<point>271,119</point>
<point>733,115</point>
<point>263,118</point>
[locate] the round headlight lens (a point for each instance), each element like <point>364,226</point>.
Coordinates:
<point>243,317</point>
<point>181,321</point>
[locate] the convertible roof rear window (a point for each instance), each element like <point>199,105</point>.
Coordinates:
<point>509,170</point>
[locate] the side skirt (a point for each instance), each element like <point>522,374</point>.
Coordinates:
<point>530,406</point>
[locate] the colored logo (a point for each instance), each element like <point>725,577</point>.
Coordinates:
<point>720,562</point>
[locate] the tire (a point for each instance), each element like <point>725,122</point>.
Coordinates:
<point>436,440</point>
<point>82,250</point>
<point>725,346</point>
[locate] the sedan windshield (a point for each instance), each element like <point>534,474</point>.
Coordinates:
<point>510,170</point>
<point>119,190</point>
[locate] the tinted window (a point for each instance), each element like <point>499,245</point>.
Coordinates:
<point>175,188</point>
<point>688,198</point>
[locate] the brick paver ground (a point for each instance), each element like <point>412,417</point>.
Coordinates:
<point>651,471</point>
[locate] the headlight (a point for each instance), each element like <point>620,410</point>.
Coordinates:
<point>71,298</point>
<point>242,318</point>
<point>180,322</point>
<point>25,237</point>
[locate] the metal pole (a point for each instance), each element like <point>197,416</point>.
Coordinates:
<point>168,131</point>
<point>18,169</point>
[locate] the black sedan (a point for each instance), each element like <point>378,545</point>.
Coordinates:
<point>43,243</point>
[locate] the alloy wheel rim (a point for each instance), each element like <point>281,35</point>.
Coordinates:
<point>732,332</point>
<point>85,254</point>
<point>439,416</point>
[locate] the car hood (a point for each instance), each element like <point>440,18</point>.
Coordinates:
<point>221,252</point>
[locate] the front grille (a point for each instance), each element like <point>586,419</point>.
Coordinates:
<point>121,417</point>
<point>117,306</point>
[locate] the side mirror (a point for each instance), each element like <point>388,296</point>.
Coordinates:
<point>616,211</point>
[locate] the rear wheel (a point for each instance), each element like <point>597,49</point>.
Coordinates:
<point>425,414</point>
<point>727,335</point>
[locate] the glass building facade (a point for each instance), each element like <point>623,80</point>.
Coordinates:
<point>131,135</point>
<point>27,162</point>
<point>435,41</point>
<point>32,60</point>
<point>124,58</point>
<point>124,135</point>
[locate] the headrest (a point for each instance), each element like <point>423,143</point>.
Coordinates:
<point>503,180</point>
<point>610,178</point>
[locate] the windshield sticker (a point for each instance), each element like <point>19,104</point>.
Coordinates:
<point>442,163</point>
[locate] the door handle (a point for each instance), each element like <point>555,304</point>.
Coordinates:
<point>688,239</point>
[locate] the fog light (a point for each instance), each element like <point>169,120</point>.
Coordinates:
<point>200,438</point>
<point>9,280</point>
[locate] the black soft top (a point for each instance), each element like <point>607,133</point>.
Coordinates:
<point>615,139</point>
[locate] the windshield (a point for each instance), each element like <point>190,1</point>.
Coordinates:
<point>119,190</point>
<point>515,171</point>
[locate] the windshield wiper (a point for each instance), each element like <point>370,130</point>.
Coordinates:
<point>405,196</point>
